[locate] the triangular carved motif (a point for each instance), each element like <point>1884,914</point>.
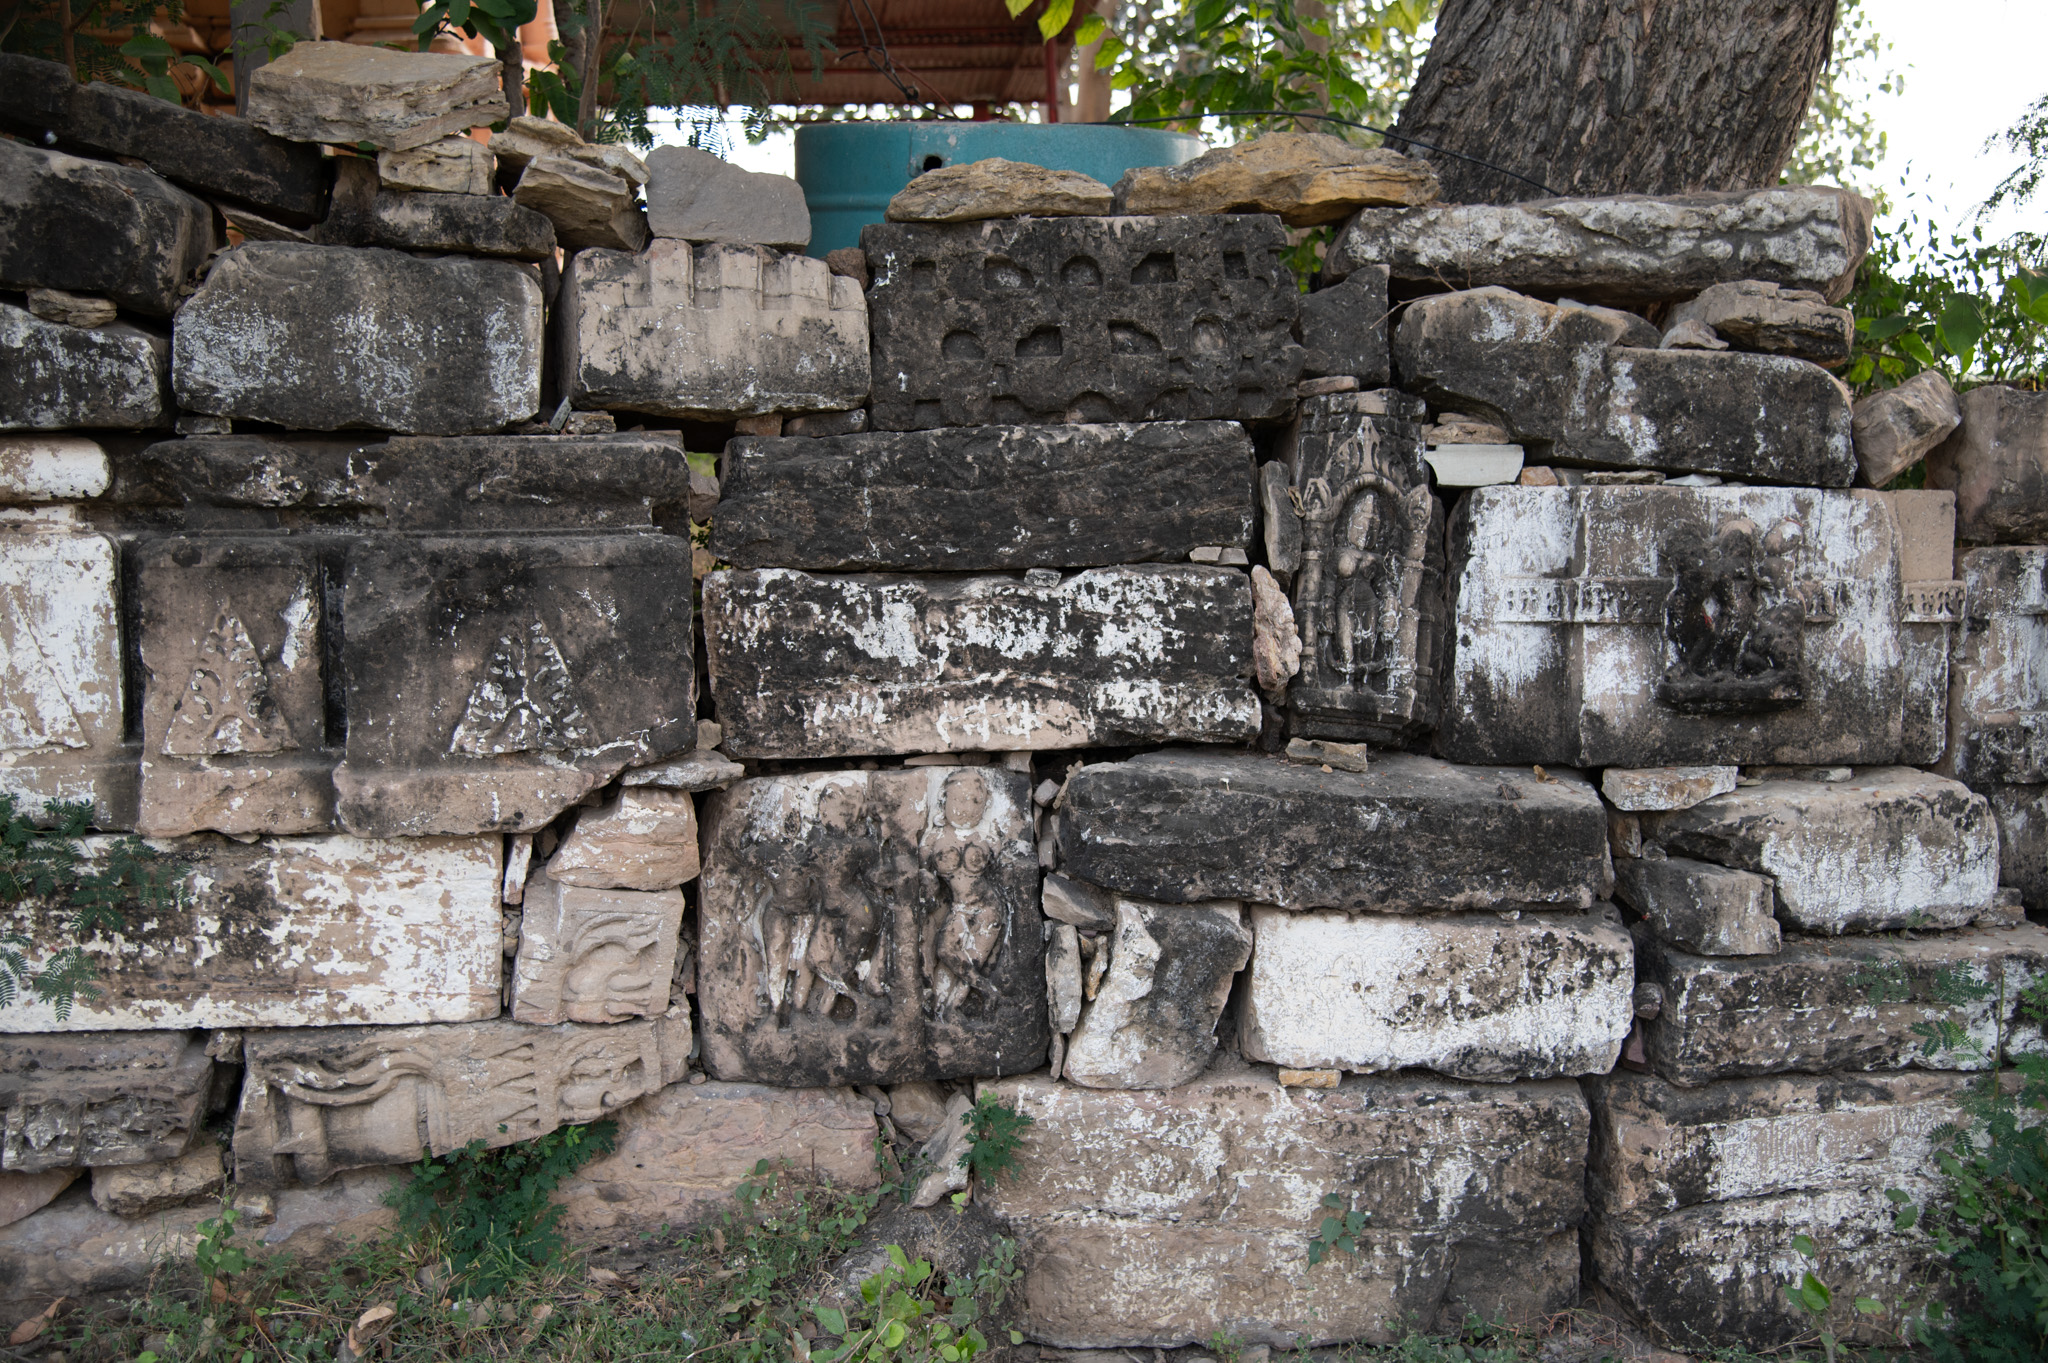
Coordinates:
<point>34,709</point>
<point>526,702</point>
<point>226,705</point>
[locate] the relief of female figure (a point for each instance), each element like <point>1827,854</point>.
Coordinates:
<point>968,915</point>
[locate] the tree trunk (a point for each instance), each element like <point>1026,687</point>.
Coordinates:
<point>1615,96</point>
<point>512,60</point>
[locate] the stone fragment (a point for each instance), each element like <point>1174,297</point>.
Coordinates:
<point>851,422</point>
<point>1315,388</point>
<point>646,839</point>
<point>1325,753</point>
<point>54,377</point>
<point>1588,386</point>
<point>100,1098</point>
<point>589,205</point>
<point>1891,848</point>
<point>1996,463</point>
<point>806,666</point>
<point>321,1101</point>
<point>1208,1233</point>
<point>595,955</point>
<point>849,262</point>
<point>697,197</point>
<point>918,1108</point>
<point>1186,826</point>
<point>140,1189</point>
<point>2022,814</point>
<point>945,1154</point>
<point>1369,596</point>
<point>72,309</point>
<point>620,161</point>
<point>23,1195</point>
<point>1653,788</point>
<point>1310,1079</point>
<point>710,332</point>
<point>453,165</point>
<point>1081,319</point>
<point>1152,1021</point>
<point>1842,1003</point>
<point>680,1153</point>
<point>1276,643</point>
<point>1309,179</point>
<point>347,93</point>
<point>986,497</point>
<point>51,468</point>
<point>93,227</point>
<point>442,346</point>
<point>1474,465</point>
<point>1583,633</point>
<point>365,213</point>
<point>1626,250</point>
<point>971,191</point>
<point>1753,315</point>
<point>1468,995</point>
<point>1998,697</point>
<point>693,771</point>
<point>1893,430</point>
<point>494,682</point>
<point>1931,613</point>
<point>1699,907</point>
<point>524,138</point>
<point>1083,905</point>
<point>1063,994</point>
<point>1690,333</point>
<point>871,927</point>
<point>294,932</point>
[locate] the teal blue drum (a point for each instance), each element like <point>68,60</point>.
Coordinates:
<point>850,171</point>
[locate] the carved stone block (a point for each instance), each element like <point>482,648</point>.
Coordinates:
<point>1081,319</point>
<point>1152,1022</point>
<point>1369,594</point>
<point>1998,694</point>
<point>1639,626</point>
<point>871,928</point>
<point>100,1099</point>
<point>321,1101</point>
<point>594,955</point>
<point>58,377</point>
<point>985,497</point>
<point>493,682</point>
<point>294,932</point>
<point>1469,995</point>
<point>710,332</point>
<point>1931,601</point>
<point>1409,835</point>
<point>806,666</point>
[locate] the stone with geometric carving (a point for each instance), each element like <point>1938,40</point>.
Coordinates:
<point>594,955</point>
<point>1998,697</point>
<point>1931,599</point>
<point>871,927</point>
<point>100,1099</point>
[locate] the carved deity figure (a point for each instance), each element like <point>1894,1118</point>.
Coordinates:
<point>966,914</point>
<point>1735,620</point>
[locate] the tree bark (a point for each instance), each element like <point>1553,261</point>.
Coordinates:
<point>1615,96</point>
<point>512,62</point>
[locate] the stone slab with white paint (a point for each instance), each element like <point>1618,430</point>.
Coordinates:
<point>58,377</point>
<point>100,1098</point>
<point>594,955</point>
<point>1998,692</point>
<point>1699,907</point>
<point>292,932</point>
<point>1152,1020</point>
<point>808,666</point>
<point>1474,465</point>
<point>348,93</point>
<point>51,468</point>
<point>1635,789</point>
<point>1477,996</point>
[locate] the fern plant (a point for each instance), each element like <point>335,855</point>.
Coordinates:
<point>994,1131</point>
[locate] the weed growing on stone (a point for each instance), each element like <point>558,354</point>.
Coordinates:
<point>1338,1231</point>
<point>994,1129</point>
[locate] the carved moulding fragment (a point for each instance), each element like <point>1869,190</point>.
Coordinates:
<point>105,1098</point>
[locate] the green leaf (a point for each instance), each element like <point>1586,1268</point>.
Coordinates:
<point>894,1334</point>
<point>830,1320</point>
<point>1334,1201</point>
<point>1089,29</point>
<point>1814,1295</point>
<point>1803,1243</point>
<point>1016,7</point>
<point>1882,328</point>
<point>1057,12</point>
<point>1016,1337</point>
<point>213,73</point>
<point>1870,1306</point>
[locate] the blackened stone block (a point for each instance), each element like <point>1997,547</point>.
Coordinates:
<point>323,337</point>
<point>2022,813</point>
<point>1411,834</point>
<point>1700,907</point>
<point>1998,696</point>
<point>1585,630</point>
<point>1152,1022</point>
<point>806,666</point>
<point>94,227</point>
<point>471,224</point>
<point>210,154</point>
<point>1997,464</point>
<point>985,497</point>
<point>1588,386</point>
<point>58,377</point>
<point>1081,319</point>
<point>871,928</point>
<point>1839,1003</point>
<point>1344,328</point>
<point>494,682</point>
<point>103,1099</point>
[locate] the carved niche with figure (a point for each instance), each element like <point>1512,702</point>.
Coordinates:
<point>871,927</point>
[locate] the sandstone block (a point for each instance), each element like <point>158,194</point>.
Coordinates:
<point>346,93</point>
<point>366,213</point>
<point>646,839</point>
<point>51,468</point>
<point>1890,848</point>
<point>589,205</point>
<point>694,771</point>
<point>712,332</point>
<point>1895,429</point>
<point>453,165</point>
<point>1625,250</point>
<point>1083,906</point>
<point>1064,992</point>
<point>1652,788</point>
<point>94,227</point>
<point>494,682</point>
<point>23,1195</point>
<point>995,188</point>
<point>1469,995</point>
<point>295,932</point>
<point>871,928</point>
<point>325,1100</point>
<point>2022,814</point>
<point>806,666</point>
<point>595,955</point>
<point>985,497</point>
<point>1844,1003</point>
<point>1344,328</point>
<point>1608,653</point>
<point>72,309</point>
<point>1081,319</point>
<point>1307,178</point>
<point>54,377</point>
<point>1998,697</point>
<point>1996,463</point>
<point>101,1098</point>
<point>526,137</point>
<point>1753,315</point>
<point>1931,611</point>
<point>1588,386</point>
<point>140,1189</point>
<point>443,346</point>
<point>1186,826</point>
<point>1699,907</point>
<point>697,197</point>
<point>1152,1022</point>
